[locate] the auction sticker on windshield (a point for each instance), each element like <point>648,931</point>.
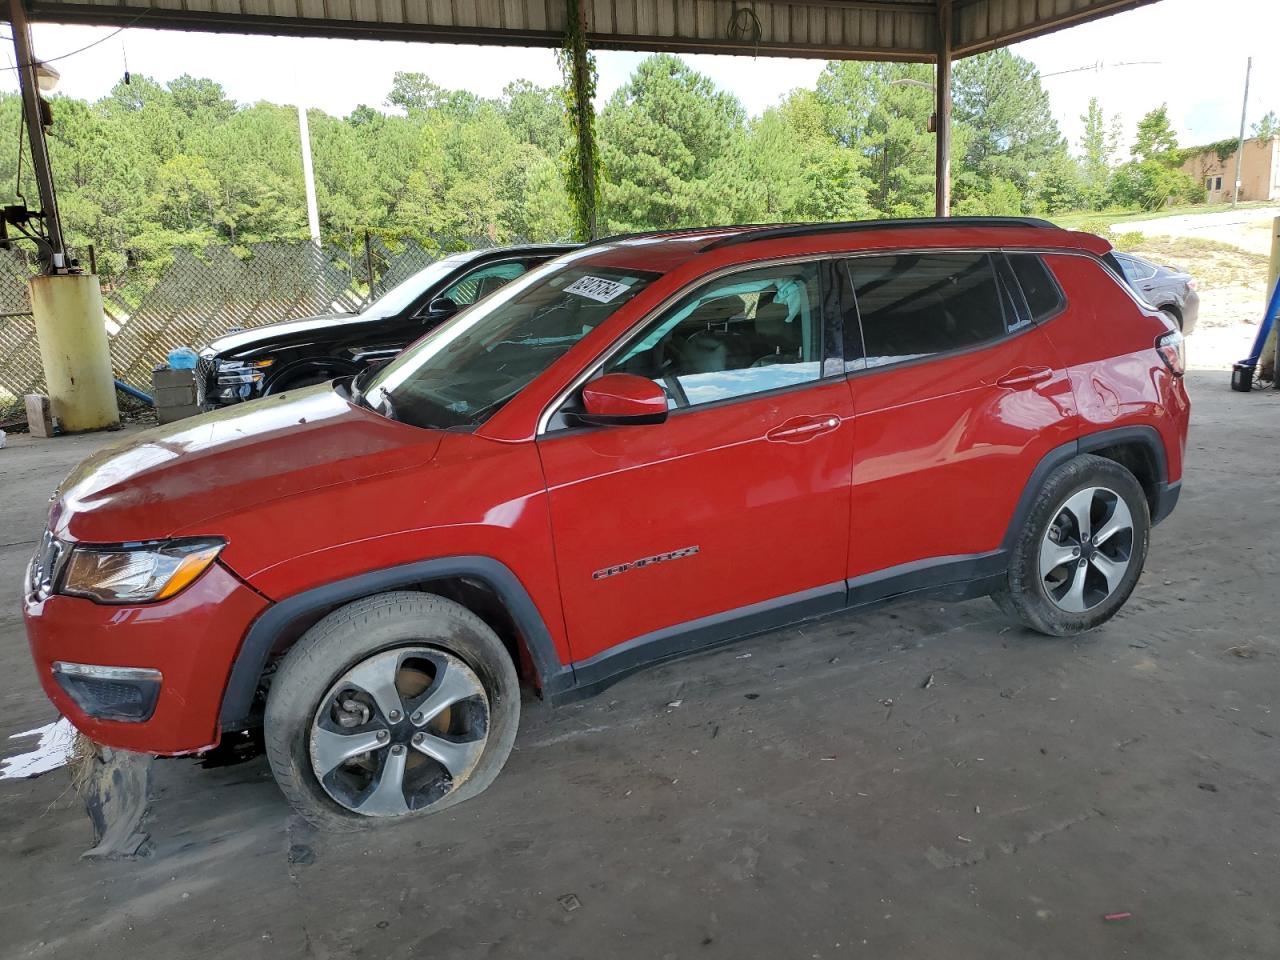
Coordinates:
<point>596,288</point>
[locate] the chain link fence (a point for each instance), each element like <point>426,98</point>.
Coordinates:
<point>200,296</point>
<point>21,371</point>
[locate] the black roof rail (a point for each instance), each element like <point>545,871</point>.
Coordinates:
<point>771,232</point>
<point>667,231</point>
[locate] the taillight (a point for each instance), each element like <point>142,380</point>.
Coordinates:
<point>1169,346</point>
<point>1192,284</point>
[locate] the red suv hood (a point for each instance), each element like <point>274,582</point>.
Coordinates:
<point>168,478</point>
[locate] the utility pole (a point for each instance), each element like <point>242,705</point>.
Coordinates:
<point>33,116</point>
<point>1244,110</point>
<point>308,176</point>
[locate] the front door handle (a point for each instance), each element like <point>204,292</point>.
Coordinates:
<point>1021,378</point>
<point>800,429</point>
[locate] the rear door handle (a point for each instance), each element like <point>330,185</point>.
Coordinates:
<point>1023,377</point>
<point>800,429</point>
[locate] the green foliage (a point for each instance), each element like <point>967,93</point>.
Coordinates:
<point>1156,139</point>
<point>152,167</point>
<point>879,111</point>
<point>674,151</point>
<point>1151,184</point>
<point>1153,179</point>
<point>1267,127</point>
<point>1012,138</point>
<point>1098,145</point>
<point>582,159</point>
<point>800,172</point>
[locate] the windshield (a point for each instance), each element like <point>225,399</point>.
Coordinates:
<point>463,372</point>
<point>400,297</point>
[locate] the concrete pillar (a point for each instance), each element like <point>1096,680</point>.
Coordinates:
<point>74,351</point>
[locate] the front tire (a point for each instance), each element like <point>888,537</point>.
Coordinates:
<point>1081,552</point>
<point>395,706</point>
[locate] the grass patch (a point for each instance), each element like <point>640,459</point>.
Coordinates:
<point>1107,219</point>
<point>1212,263</point>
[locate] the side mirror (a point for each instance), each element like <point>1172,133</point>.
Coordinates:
<point>441,308</point>
<point>620,399</point>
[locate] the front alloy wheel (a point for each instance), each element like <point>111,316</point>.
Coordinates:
<point>399,731</point>
<point>395,706</point>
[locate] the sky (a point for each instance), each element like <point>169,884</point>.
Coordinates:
<point>1189,54</point>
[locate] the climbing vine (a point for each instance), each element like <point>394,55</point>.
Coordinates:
<point>582,158</point>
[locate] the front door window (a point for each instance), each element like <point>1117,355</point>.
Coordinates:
<point>748,333</point>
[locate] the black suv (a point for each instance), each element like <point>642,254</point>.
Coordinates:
<point>295,353</point>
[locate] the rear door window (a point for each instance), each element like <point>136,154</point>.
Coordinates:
<point>914,305</point>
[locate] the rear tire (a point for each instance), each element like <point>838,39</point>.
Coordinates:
<point>392,707</point>
<point>1082,550</point>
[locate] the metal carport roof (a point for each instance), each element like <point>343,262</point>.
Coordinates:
<point>846,29</point>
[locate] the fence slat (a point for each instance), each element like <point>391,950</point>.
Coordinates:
<point>199,297</point>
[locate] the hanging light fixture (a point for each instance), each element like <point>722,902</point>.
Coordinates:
<point>47,77</point>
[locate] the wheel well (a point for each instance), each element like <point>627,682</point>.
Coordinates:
<point>474,594</point>
<point>1174,310</point>
<point>341,368</point>
<point>1140,460</point>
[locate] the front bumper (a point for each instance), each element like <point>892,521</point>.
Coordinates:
<point>221,384</point>
<point>191,640</point>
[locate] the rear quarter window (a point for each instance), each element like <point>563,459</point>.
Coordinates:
<point>1043,295</point>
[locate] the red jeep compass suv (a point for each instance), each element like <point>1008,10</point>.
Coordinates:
<point>650,445</point>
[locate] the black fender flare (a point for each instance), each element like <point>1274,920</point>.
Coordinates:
<point>274,622</point>
<point>1146,436</point>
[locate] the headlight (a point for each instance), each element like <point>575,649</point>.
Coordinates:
<point>136,573</point>
<point>242,371</point>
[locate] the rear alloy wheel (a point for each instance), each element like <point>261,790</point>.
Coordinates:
<point>1085,553</point>
<point>1082,550</point>
<point>394,706</point>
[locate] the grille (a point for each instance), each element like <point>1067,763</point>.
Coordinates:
<point>206,374</point>
<point>45,566</point>
<point>128,700</point>
<point>107,693</point>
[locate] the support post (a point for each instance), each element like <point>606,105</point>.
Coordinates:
<point>66,306</point>
<point>1269,361</point>
<point>942,165</point>
<point>72,331</point>
<point>32,113</point>
<point>581,80</point>
<point>368,262</point>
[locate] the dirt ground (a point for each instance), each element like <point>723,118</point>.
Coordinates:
<point>922,781</point>
<point>1227,252</point>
